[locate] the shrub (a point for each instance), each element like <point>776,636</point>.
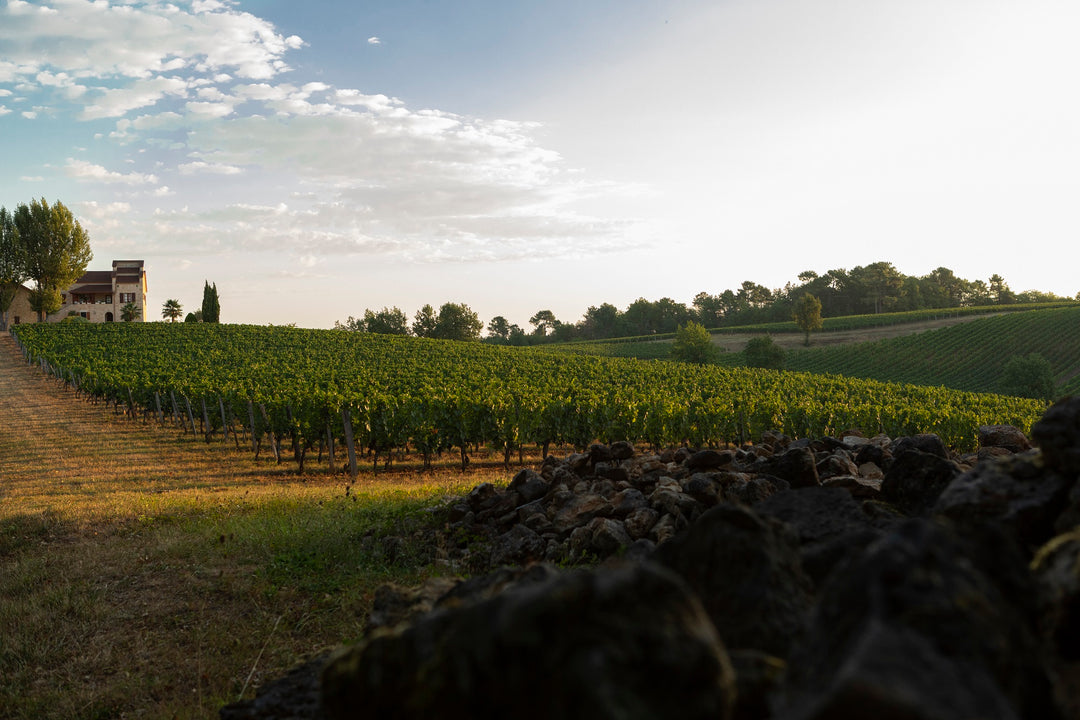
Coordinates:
<point>1028,376</point>
<point>693,344</point>
<point>762,352</point>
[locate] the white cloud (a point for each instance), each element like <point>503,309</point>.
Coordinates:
<point>198,81</point>
<point>31,178</point>
<point>82,40</point>
<point>85,171</point>
<point>117,102</point>
<point>374,41</point>
<point>193,168</point>
<point>210,109</point>
<point>29,114</point>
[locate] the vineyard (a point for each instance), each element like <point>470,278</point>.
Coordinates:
<point>320,389</point>
<point>641,343</point>
<point>970,356</point>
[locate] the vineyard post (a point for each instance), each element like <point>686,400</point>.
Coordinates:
<point>330,447</point>
<point>224,425</point>
<point>346,420</point>
<point>157,408</point>
<point>273,434</point>
<point>251,421</point>
<point>191,417</point>
<point>131,405</point>
<point>207,429</point>
<point>175,410</point>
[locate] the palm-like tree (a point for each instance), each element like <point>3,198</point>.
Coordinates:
<point>129,312</point>
<point>172,310</point>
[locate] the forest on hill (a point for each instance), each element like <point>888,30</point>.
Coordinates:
<point>876,288</point>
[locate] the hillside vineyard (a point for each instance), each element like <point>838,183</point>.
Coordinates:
<point>383,393</point>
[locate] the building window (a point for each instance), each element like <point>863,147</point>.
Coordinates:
<point>108,299</point>
<point>85,315</point>
<point>125,298</point>
<point>17,320</point>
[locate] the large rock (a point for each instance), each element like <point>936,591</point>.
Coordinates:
<point>747,572</point>
<point>519,545</point>
<point>798,466</point>
<point>1057,572</point>
<point>632,642</point>
<point>830,523</point>
<point>1015,491</point>
<point>923,442</point>
<point>913,629</point>
<point>915,479</point>
<point>1058,435</point>
<point>529,484</point>
<point>1006,437</point>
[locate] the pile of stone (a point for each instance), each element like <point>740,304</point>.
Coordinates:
<point>839,577</point>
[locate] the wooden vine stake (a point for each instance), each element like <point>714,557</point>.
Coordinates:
<point>346,420</point>
<point>251,421</point>
<point>224,425</point>
<point>330,447</point>
<point>273,434</point>
<point>191,417</point>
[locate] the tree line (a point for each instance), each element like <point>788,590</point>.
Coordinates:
<point>875,288</point>
<point>45,244</point>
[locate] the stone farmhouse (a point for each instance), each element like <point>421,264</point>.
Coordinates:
<point>97,296</point>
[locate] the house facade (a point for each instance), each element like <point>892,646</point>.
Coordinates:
<point>98,296</point>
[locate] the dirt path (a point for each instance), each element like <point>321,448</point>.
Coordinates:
<point>59,453</point>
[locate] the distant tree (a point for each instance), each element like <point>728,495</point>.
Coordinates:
<point>172,310</point>
<point>457,322</point>
<point>943,289</point>
<point>211,306</point>
<point>425,322</point>
<point>1000,292</point>
<point>602,322</point>
<point>878,284</point>
<point>57,251</point>
<point>762,352</point>
<point>544,321</point>
<point>693,344</point>
<point>517,337</point>
<point>565,332</point>
<point>193,317</point>
<point>1028,376</point>
<point>352,324</point>
<point>807,315</point>
<point>499,330</point>
<point>129,312</point>
<point>13,271</point>
<point>388,321</point>
<point>709,309</point>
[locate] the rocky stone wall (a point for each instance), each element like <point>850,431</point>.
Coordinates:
<point>837,577</point>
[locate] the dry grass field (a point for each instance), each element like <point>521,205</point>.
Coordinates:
<point>147,574</point>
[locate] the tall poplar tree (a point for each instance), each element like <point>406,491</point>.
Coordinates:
<point>211,306</point>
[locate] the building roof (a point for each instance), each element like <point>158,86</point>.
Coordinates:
<point>91,288</point>
<point>95,276</point>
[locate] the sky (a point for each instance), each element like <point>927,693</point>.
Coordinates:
<point>316,159</point>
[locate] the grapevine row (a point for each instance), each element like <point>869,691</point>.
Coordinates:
<point>320,388</point>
